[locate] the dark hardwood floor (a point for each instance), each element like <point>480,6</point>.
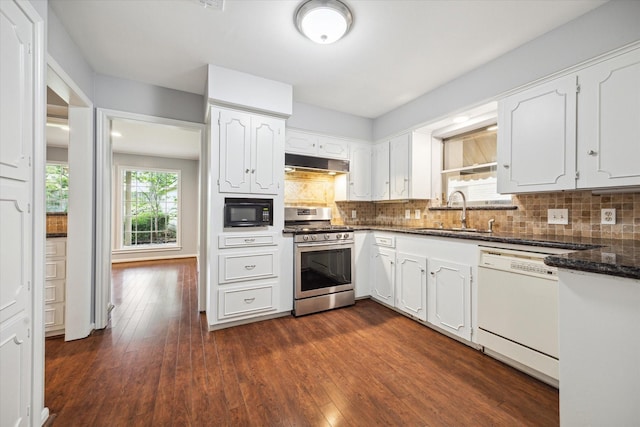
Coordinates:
<point>157,365</point>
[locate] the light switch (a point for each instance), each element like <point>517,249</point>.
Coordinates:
<point>557,216</point>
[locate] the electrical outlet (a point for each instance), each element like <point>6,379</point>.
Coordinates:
<point>608,257</point>
<point>417,214</point>
<point>558,216</point>
<point>608,216</point>
<point>407,214</point>
<point>354,214</point>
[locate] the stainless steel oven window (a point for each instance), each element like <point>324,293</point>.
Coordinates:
<point>323,268</point>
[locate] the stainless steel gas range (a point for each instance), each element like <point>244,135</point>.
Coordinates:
<point>323,263</point>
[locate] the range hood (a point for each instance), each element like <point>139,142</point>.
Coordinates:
<point>315,164</point>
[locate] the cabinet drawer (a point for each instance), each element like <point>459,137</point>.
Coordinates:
<point>247,266</point>
<point>54,316</point>
<point>55,269</point>
<point>245,240</point>
<point>54,291</point>
<point>244,301</point>
<point>387,241</point>
<point>55,248</point>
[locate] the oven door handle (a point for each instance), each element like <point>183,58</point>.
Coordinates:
<point>319,245</point>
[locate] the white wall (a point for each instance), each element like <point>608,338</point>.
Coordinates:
<point>189,203</point>
<point>136,97</point>
<point>330,122</point>
<point>610,26</point>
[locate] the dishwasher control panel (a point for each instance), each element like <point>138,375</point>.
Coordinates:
<point>518,263</point>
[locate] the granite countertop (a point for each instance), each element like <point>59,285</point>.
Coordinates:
<point>51,235</point>
<point>605,256</point>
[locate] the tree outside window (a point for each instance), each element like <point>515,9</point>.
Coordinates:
<point>150,207</point>
<point>57,187</point>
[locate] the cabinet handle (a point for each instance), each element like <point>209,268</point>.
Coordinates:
<point>246,171</point>
<point>320,146</point>
<point>249,300</point>
<point>592,152</point>
<point>249,240</point>
<point>506,166</point>
<point>313,145</point>
<point>17,341</point>
<point>433,273</point>
<point>250,267</point>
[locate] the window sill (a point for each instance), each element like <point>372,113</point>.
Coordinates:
<point>476,208</point>
<point>150,248</point>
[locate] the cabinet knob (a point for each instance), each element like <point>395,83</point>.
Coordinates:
<point>433,273</point>
<point>320,146</point>
<point>592,152</point>
<point>506,166</point>
<point>253,171</point>
<point>246,171</point>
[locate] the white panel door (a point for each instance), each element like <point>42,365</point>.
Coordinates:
<point>333,148</point>
<point>267,164</point>
<point>399,167</point>
<point>360,173</point>
<point>383,275</point>
<point>411,281</point>
<point>537,138</point>
<point>609,123</point>
<point>235,152</point>
<point>301,143</point>
<point>449,297</point>
<point>16,200</point>
<point>380,171</point>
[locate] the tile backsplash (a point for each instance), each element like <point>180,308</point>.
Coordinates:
<point>529,217</point>
<point>57,223</point>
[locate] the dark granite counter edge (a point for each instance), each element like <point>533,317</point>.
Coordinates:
<point>475,208</point>
<point>590,266</point>
<point>51,235</point>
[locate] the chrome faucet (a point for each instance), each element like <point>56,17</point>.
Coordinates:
<point>463,217</point>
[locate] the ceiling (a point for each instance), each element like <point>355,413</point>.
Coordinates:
<point>396,51</point>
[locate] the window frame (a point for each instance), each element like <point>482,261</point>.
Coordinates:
<point>60,163</point>
<point>118,237</point>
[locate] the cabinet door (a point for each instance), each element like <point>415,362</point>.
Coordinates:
<point>537,138</point>
<point>399,167</point>
<point>267,164</point>
<point>235,152</point>
<point>380,171</point>
<point>333,147</point>
<point>360,173</point>
<point>609,123</point>
<point>449,297</point>
<point>362,250</point>
<point>411,281</point>
<point>301,143</point>
<point>383,275</point>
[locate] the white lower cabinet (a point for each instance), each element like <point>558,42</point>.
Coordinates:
<point>240,301</point>
<point>55,285</point>
<point>411,284</point>
<point>450,297</point>
<point>383,274</point>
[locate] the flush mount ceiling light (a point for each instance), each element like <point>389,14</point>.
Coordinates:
<point>323,21</point>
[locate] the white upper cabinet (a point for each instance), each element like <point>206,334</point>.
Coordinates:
<point>316,145</point>
<point>251,153</point>
<point>401,168</point>
<point>577,131</point>
<point>360,172</point>
<point>380,171</point>
<point>609,123</point>
<point>537,138</point>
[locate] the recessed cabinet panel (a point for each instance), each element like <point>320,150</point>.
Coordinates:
<point>54,291</point>
<point>380,171</point>
<point>265,155</point>
<point>609,123</point>
<point>54,316</point>
<point>383,275</point>
<point>245,240</point>
<point>245,301</point>
<point>235,148</point>
<point>56,247</point>
<point>333,148</point>
<point>301,143</point>
<point>247,266</point>
<point>537,138</point>
<point>399,167</point>
<point>15,372</point>
<point>411,280</point>
<point>450,297</point>
<point>55,269</point>
<point>360,173</point>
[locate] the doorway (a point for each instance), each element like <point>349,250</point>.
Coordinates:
<point>149,194</point>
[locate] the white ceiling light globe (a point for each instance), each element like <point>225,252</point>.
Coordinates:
<point>323,21</point>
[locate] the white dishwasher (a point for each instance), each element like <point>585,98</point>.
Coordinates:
<point>518,311</point>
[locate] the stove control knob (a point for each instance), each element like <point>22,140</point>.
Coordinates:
<point>345,235</point>
<point>305,238</point>
<point>327,236</point>
<point>338,236</point>
<point>314,237</point>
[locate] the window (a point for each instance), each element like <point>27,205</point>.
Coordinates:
<point>150,207</point>
<point>469,165</point>
<point>57,187</point>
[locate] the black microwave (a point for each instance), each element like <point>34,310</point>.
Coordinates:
<point>241,212</point>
